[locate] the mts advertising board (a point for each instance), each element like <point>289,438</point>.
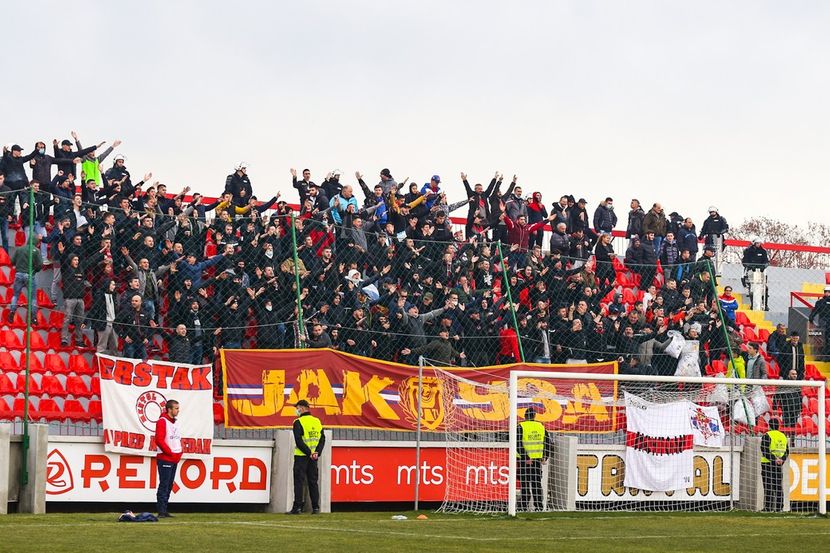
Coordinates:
<point>349,391</point>
<point>83,471</point>
<point>134,394</point>
<point>389,474</point>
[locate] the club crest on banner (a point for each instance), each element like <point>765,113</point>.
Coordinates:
<point>432,413</point>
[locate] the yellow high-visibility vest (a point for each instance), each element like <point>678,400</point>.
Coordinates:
<point>533,438</point>
<point>777,445</point>
<point>312,430</point>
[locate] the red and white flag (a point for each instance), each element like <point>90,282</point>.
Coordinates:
<point>659,454</point>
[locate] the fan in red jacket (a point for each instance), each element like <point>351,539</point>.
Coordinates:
<point>518,233</point>
<point>169,443</point>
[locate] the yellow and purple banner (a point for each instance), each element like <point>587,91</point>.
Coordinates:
<point>348,391</point>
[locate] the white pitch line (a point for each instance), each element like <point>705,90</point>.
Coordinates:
<point>303,527</point>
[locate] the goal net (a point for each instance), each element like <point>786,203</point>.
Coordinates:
<point>564,441</point>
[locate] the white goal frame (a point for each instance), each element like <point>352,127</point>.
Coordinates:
<point>513,390</point>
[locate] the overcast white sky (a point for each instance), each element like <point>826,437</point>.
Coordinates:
<point>686,103</point>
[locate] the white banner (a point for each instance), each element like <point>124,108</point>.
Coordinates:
<point>659,452</point>
<point>706,425</point>
<point>83,471</point>
<point>600,470</point>
<point>133,396</point>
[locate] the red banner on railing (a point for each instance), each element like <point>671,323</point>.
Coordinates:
<point>348,391</point>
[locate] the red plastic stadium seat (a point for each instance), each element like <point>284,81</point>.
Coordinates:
<point>53,342</point>
<point>806,426</point>
<point>761,425</point>
<point>35,365</point>
<point>52,386</point>
<point>5,260</point>
<point>19,238</point>
<point>749,334</point>
<point>19,404</point>
<point>43,299</point>
<point>34,386</point>
<point>40,320</point>
<point>7,387</point>
<point>79,365</point>
<point>718,366</point>
<point>76,387</point>
<point>763,336</point>
<point>95,411</point>
<point>8,362</point>
<point>55,364</point>
<point>11,340</point>
<point>56,319</point>
<point>74,411</point>
<point>773,370</point>
<point>49,410</point>
<point>628,296</point>
<point>38,343</point>
<point>6,276</point>
<point>812,373</point>
<point>17,320</point>
<point>624,280</point>
<point>6,413</point>
<point>743,320</point>
<point>95,385</point>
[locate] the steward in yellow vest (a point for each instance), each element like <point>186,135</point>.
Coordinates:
<point>309,441</point>
<point>774,452</point>
<point>533,447</point>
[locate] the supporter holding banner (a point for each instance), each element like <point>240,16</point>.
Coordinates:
<point>659,452</point>
<point>262,387</point>
<point>134,394</point>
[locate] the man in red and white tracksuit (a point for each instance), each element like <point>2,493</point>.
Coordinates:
<point>169,443</point>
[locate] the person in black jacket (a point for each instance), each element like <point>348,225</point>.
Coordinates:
<point>180,345</point>
<point>791,359</point>
<point>6,210</point>
<point>13,166</point>
<point>101,317</point>
<point>480,202</point>
<point>74,290</point>
<point>41,164</point>
<point>42,203</point>
<point>635,220</point>
<point>238,181</point>
<point>134,325</point>
<point>822,310</point>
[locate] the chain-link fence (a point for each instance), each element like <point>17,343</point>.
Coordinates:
<point>391,278</point>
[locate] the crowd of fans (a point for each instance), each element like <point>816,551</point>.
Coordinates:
<point>386,277</point>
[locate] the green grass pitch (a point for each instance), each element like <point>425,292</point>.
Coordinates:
<point>378,533</point>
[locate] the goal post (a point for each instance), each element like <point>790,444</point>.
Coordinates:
<point>515,396</point>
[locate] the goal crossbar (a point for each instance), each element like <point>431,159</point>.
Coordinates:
<point>513,389</point>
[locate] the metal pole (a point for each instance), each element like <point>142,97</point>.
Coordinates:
<point>418,432</point>
<point>729,352</point>
<point>24,470</point>
<point>506,282</point>
<point>513,436</point>
<point>300,323</point>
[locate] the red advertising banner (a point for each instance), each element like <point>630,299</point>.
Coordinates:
<point>365,474</point>
<point>348,391</point>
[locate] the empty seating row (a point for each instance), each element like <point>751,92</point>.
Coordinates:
<point>56,363</point>
<point>50,385</point>
<point>51,410</point>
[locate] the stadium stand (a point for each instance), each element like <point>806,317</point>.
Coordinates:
<point>382,277</point>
